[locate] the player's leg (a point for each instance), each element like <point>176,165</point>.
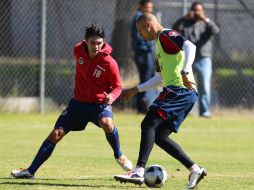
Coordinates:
<point>63,125</point>
<point>149,125</point>
<point>46,149</point>
<point>42,155</point>
<point>171,147</point>
<point>180,109</point>
<point>112,135</point>
<point>104,119</point>
<point>176,116</point>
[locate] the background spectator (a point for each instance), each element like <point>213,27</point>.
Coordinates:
<point>143,57</point>
<point>199,29</point>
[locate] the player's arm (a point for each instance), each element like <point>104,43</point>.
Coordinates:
<point>187,74</point>
<point>190,52</point>
<point>75,52</point>
<point>152,83</point>
<point>115,83</point>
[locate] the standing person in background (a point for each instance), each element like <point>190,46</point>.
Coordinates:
<point>143,56</point>
<point>199,29</point>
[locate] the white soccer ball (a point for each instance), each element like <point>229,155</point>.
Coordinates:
<point>155,176</point>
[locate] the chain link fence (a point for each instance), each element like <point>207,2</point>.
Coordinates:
<point>21,47</point>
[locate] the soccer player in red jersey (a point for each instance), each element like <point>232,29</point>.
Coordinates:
<point>97,86</point>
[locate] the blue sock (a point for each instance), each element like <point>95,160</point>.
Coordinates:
<point>43,154</point>
<point>113,139</point>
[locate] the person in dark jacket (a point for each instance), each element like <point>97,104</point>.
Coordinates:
<point>143,56</point>
<point>199,29</point>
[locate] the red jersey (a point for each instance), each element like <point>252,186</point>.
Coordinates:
<point>95,77</point>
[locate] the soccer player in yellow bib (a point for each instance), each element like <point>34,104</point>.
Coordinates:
<point>174,72</point>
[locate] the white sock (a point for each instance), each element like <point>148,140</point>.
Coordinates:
<point>139,170</point>
<point>194,167</point>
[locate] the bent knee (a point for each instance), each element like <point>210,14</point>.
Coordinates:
<point>161,137</point>
<point>107,124</point>
<point>56,135</point>
<point>158,140</point>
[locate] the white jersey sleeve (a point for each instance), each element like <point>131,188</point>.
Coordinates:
<point>151,83</point>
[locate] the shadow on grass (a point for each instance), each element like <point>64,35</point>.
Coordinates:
<point>39,182</point>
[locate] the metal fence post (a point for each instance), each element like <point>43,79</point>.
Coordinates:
<point>185,7</point>
<point>43,56</point>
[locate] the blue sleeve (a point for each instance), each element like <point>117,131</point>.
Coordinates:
<point>135,37</point>
<point>177,38</point>
<point>171,41</point>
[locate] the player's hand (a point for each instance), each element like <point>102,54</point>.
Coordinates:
<point>128,93</point>
<point>108,98</point>
<point>189,81</point>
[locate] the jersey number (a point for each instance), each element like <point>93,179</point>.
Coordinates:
<point>97,73</point>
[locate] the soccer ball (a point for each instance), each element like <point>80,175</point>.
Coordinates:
<point>155,176</point>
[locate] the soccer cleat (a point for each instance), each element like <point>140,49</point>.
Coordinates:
<point>195,177</point>
<point>136,176</point>
<point>124,162</point>
<point>22,173</point>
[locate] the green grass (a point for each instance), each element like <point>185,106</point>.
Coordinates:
<point>84,160</point>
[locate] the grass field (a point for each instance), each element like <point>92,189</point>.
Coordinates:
<point>224,145</point>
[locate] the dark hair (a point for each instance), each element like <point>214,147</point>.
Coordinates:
<point>143,2</point>
<point>195,4</point>
<point>94,30</point>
